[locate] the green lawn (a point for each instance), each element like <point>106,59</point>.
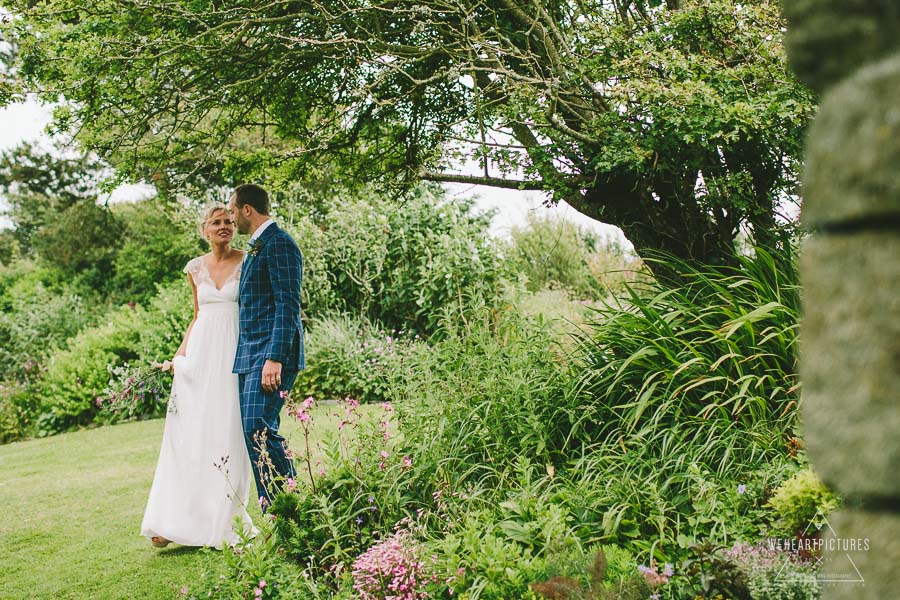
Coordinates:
<point>70,516</point>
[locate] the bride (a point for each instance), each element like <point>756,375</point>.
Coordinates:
<point>202,479</point>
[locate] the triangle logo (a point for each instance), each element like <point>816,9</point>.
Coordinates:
<point>835,566</point>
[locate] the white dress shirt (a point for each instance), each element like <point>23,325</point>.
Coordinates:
<point>260,229</point>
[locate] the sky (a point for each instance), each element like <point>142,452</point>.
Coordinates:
<point>27,122</point>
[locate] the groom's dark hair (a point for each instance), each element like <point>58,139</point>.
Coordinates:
<point>254,195</point>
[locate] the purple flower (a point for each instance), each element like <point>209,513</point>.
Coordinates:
<point>741,489</point>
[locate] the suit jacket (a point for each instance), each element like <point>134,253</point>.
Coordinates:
<point>269,299</point>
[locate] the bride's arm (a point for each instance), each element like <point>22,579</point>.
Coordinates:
<point>187,334</point>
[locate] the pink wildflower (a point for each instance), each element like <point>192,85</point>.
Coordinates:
<point>653,578</point>
<point>391,569</point>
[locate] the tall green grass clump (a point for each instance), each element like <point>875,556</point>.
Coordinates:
<point>693,392</point>
<point>720,349</point>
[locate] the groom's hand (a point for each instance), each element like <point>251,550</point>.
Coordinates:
<point>271,375</point>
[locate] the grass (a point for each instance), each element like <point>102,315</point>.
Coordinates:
<point>72,511</point>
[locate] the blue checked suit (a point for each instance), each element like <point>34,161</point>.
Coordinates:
<point>270,329</point>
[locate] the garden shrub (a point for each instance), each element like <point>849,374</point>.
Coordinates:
<point>708,573</point>
<point>156,245</point>
<point>77,376</point>
<point>38,317</point>
<point>800,583</point>
<point>552,252</point>
<point>17,408</point>
<point>39,314</point>
<point>396,263</point>
<point>350,357</point>
<point>799,501</point>
<point>254,568</point>
<point>165,321</point>
<point>394,567</point>
<point>720,349</point>
<point>615,266</point>
<point>485,561</point>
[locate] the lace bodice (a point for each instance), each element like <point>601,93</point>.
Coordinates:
<point>206,288</point>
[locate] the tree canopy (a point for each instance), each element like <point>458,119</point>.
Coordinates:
<point>677,121</point>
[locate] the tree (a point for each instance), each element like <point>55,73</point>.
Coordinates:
<point>677,121</point>
<point>41,186</point>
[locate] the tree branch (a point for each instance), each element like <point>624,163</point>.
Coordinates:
<point>498,182</point>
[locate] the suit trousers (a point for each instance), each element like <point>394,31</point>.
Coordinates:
<point>260,415</point>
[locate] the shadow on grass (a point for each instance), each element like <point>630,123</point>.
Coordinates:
<point>181,550</point>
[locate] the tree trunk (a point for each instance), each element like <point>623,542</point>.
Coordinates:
<point>660,226</point>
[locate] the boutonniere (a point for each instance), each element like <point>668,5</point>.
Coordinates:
<point>254,248</point>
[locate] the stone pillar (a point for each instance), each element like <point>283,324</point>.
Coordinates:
<point>849,52</point>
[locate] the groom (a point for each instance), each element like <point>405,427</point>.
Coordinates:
<point>270,343</point>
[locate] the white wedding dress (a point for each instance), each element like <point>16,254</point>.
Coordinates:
<point>203,475</point>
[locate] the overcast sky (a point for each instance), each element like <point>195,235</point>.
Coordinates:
<point>21,122</point>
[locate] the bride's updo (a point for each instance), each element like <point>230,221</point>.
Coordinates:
<point>211,209</point>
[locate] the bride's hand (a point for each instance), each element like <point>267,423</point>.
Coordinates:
<point>167,365</point>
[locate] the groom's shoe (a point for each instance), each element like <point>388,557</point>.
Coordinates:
<point>159,542</point>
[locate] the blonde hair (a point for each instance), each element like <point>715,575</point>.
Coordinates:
<point>208,213</point>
